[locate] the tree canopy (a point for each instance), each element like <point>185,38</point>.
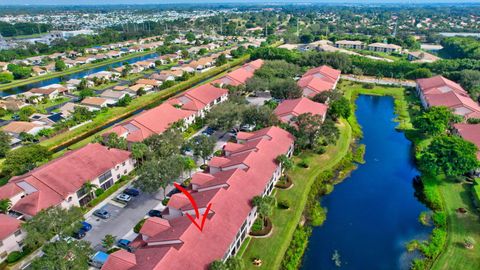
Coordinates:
<point>450,155</point>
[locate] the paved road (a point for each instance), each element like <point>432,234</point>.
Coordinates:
<point>122,220</point>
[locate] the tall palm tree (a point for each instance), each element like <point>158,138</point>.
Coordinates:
<point>5,205</point>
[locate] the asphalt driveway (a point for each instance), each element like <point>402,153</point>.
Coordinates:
<point>122,220</point>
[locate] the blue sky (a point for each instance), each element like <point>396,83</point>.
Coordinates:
<point>97,2</point>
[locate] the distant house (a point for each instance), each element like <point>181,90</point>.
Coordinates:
<point>15,128</point>
<point>288,110</point>
<point>162,77</point>
<point>11,235</point>
<point>12,104</point>
<point>440,91</point>
<point>422,57</point>
<point>136,87</point>
<point>38,71</point>
<point>94,103</point>
<point>4,66</point>
<point>145,64</point>
<point>150,82</point>
<point>317,80</point>
<point>61,181</point>
<point>350,44</point>
<point>106,75</point>
<point>50,91</point>
<point>112,96</point>
<point>384,47</point>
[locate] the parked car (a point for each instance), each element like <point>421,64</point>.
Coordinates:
<point>124,198</point>
<point>247,128</point>
<point>79,234</point>
<point>155,213</point>
<point>132,192</point>
<point>98,260</point>
<point>124,243</point>
<point>173,191</point>
<point>86,226</point>
<point>208,131</point>
<point>102,213</point>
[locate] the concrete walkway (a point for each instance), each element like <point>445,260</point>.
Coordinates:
<point>383,81</point>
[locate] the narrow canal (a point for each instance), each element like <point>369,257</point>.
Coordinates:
<point>373,213</point>
<point>78,75</point>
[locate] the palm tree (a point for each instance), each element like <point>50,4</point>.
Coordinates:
<point>264,206</point>
<point>284,161</point>
<point>5,205</point>
<point>89,187</point>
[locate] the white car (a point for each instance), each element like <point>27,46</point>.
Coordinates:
<point>124,197</point>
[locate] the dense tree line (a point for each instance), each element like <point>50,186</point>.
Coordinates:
<point>461,47</point>
<point>18,29</point>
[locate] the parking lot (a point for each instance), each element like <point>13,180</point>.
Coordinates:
<point>124,217</point>
<point>122,220</point>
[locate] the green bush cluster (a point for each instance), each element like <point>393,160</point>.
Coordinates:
<point>138,226</point>
<point>14,256</point>
<point>293,255</point>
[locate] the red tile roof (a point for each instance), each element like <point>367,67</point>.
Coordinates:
<point>439,91</point>
<point>153,121</point>
<point>471,133</point>
<point>230,208</point>
<point>51,183</point>
<point>202,95</point>
<point>296,107</point>
<point>319,79</point>
<point>9,226</point>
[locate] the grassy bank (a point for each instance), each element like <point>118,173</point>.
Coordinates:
<point>116,113</point>
<point>271,250</point>
<point>69,71</point>
<point>459,226</point>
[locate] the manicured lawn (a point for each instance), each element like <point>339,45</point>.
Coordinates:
<point>271,250</point>
<point>455,255</point>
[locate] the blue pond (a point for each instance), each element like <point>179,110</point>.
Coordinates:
<point>78,75</point>
<point>373,213</point>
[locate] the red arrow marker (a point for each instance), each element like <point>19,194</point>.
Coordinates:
<point>195,207</point>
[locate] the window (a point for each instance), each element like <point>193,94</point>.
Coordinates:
<point>118,176</point>
<point>1,243</point>
<point>125,172</point>
<point>104,177</point>
<point>18,232</point>
<point>123,164</point>
<point>3,255</point>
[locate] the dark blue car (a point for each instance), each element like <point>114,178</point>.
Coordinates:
<point>86,226</point>
<point>132,192</point>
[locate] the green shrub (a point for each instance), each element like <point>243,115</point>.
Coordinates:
<point>14,256</point>
<point>218,153</point>
<point>293,255</point>
<point>418,264</point>
<point>303,164</point>
<point>316,215</point>
<point>257,225</point>
<point>99,191</point>
<point>283,204</point>
<point>368,85</point>
<point>432,195</point>
<point>440,219</point>
<point>138,226</point>
<point>435,245</point>
<point>165,201</point>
